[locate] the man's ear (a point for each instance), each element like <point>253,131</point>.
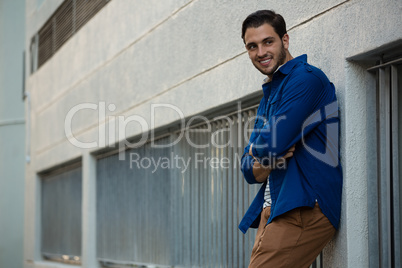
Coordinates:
<point>247,51</point>
<point>285,41</point>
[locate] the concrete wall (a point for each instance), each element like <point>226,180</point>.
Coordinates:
<point>189,53</point>
<point>12,137</point>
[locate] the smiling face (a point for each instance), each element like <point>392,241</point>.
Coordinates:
<point>266,49</point>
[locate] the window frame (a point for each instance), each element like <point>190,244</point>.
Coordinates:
<point>384,193</point>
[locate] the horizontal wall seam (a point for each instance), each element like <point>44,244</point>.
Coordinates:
<point>82,131</point>
<point>12,122</point>
<point>52,102</point>
<point>107,62</point>
<point>317,15</point>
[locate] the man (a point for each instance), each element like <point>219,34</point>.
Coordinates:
<point>297,209</point>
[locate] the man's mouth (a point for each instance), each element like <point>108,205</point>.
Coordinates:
<point>265,62</point>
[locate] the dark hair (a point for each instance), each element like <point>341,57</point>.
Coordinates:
<point>260,17</point>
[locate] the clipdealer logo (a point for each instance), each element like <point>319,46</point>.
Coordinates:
<point>112,131</point>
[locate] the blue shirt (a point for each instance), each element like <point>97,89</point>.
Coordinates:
<point>299,107</point>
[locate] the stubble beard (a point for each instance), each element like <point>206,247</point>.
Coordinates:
<point>279,62</point>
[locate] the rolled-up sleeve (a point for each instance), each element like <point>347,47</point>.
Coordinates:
<point>247,163</point>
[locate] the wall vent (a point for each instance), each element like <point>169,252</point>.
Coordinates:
<point>67,20</point>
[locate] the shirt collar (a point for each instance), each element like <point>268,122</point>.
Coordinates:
<point>266,80</point>
<point>288,66</point>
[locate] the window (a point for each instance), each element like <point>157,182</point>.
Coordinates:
<point>61,193</point>
<point>179,204</point>
<point>60,27</point>
<point>385,226</point>
<point>133,207</point>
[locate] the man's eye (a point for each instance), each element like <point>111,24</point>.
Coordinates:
<point>251,47</point>
<point>268,42</point>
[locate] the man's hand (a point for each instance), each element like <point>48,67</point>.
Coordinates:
<point>281,160</point>
<point>261,172</point>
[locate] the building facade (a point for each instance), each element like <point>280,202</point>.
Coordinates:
<point>138,112</point>
<point>12,132</point>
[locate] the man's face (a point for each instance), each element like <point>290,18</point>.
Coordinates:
<point>266,49</point>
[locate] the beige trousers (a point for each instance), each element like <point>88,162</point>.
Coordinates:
<point>292,240</point>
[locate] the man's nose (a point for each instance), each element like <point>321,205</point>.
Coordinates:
<point>260,51</point>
